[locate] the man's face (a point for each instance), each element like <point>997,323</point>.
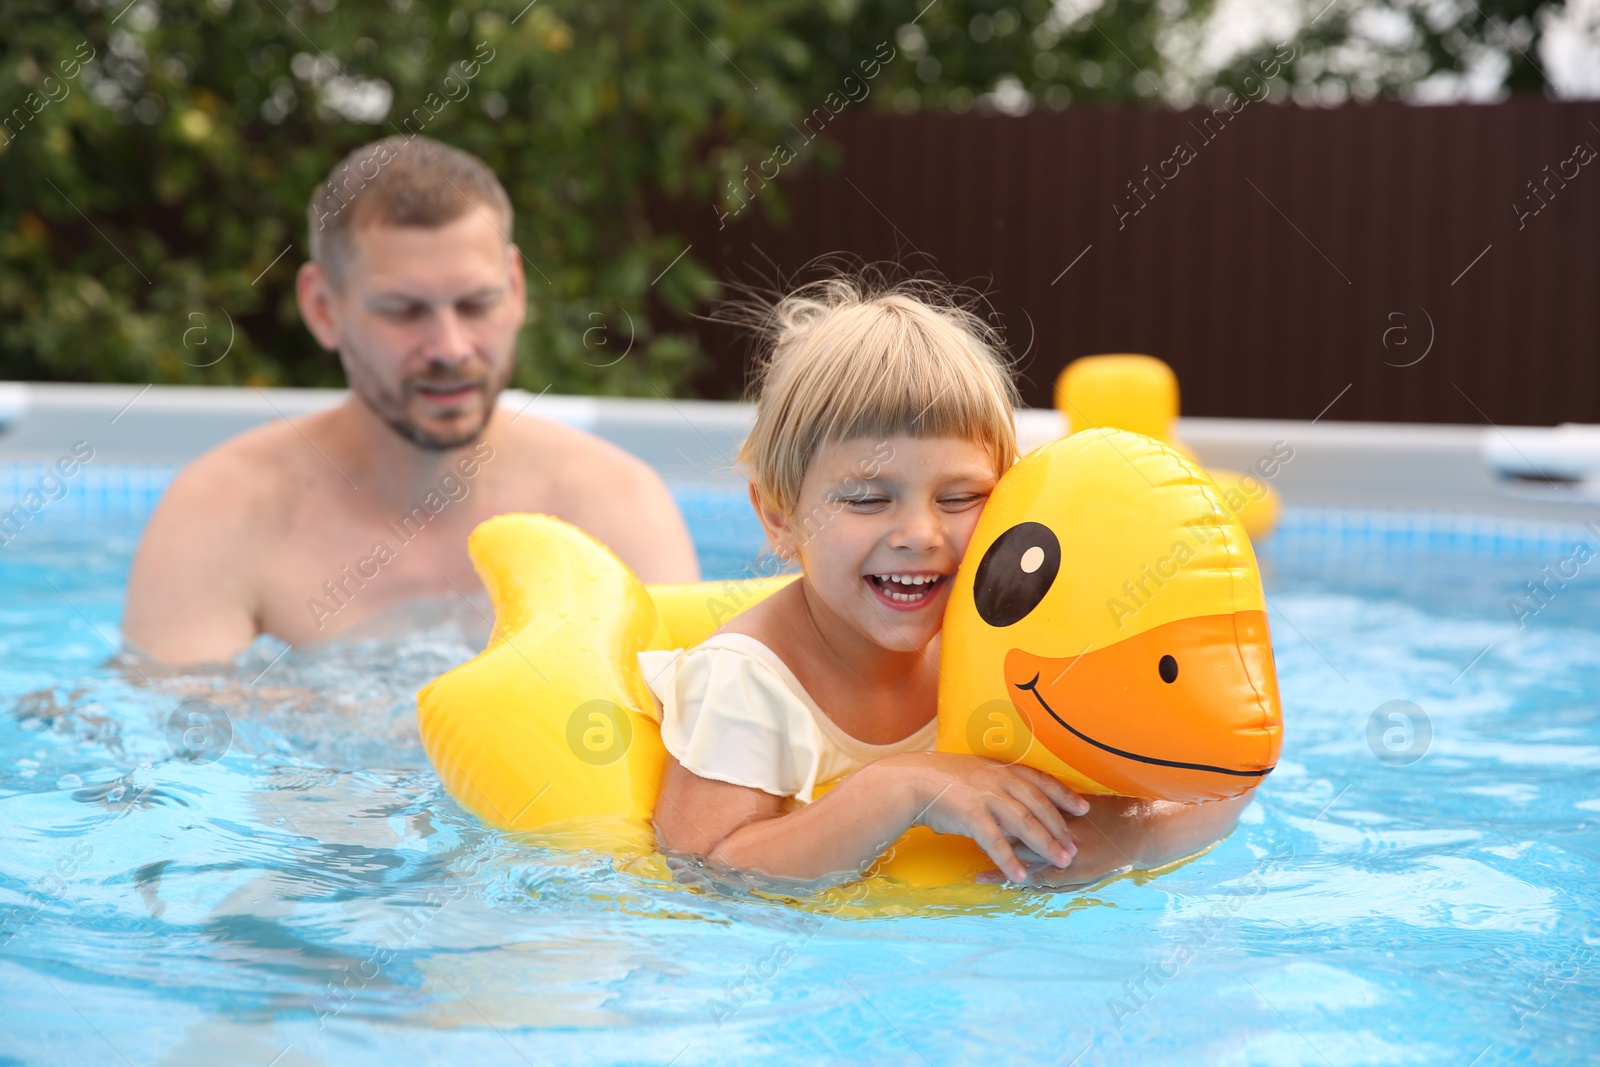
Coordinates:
<point>425,324</point>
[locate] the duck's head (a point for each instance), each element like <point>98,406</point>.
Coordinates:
<point>1107,626</point>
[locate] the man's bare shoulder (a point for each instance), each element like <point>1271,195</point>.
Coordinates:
<point>193,589</point>
<point>242,483</point>
<point>573,458</point>
<point>615,496</point>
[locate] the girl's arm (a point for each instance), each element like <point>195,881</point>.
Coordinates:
<point>1122,834</point>
<point>841,834</point>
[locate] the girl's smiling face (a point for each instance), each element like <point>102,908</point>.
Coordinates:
<point>879,527</point>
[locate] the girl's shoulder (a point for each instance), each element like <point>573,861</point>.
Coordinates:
<point>723,660</point>
<point>732,711</point>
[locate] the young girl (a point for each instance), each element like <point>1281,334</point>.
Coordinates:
<point>883,421</point>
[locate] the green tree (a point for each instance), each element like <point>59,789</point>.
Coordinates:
<point>156,158</point>
<point>1388,49</point>
<point>956,54</point>
<point>149,191</point>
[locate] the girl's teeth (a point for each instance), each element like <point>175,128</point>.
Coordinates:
<point>915,586</point>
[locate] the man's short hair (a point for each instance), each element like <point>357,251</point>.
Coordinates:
<point>400,181</point>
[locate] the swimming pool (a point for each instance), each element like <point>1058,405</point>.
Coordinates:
<point>262,868</point>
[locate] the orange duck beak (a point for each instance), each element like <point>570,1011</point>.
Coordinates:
<point>1178,704</point>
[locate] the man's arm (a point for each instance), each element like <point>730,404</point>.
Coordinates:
<point>190,592</point>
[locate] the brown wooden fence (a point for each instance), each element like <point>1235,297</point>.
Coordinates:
<point>1441,262</point>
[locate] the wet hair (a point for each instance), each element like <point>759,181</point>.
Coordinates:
<point>854,355</point>
<point>399,181</point>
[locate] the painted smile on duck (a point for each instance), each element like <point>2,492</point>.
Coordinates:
<point>1095,710</point>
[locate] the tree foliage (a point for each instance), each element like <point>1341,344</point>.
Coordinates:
<point>1410,49</point>
<point>148,195</point>
<point>156,158</point>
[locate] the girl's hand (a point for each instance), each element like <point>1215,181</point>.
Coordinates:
<point>996,805</point>
<point>1043,873</point>
<point>1124,834</point>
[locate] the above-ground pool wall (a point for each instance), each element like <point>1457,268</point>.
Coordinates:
<point>1312,463</point>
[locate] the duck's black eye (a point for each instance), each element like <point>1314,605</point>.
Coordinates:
<point>1016,573</point>
<point>1169,669</point>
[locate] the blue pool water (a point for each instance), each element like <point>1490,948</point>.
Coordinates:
<point>1415,890</point>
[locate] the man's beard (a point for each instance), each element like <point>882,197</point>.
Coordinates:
<point>392,409</point>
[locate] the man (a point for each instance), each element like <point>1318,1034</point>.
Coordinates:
<point>303,529</point>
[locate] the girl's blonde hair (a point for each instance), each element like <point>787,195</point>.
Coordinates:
<point>852,356</point>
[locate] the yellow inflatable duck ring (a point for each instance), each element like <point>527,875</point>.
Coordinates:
<point>1140,393</point>
<point>1107,626</point>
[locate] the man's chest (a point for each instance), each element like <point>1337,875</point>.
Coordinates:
<point>335,568</point>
